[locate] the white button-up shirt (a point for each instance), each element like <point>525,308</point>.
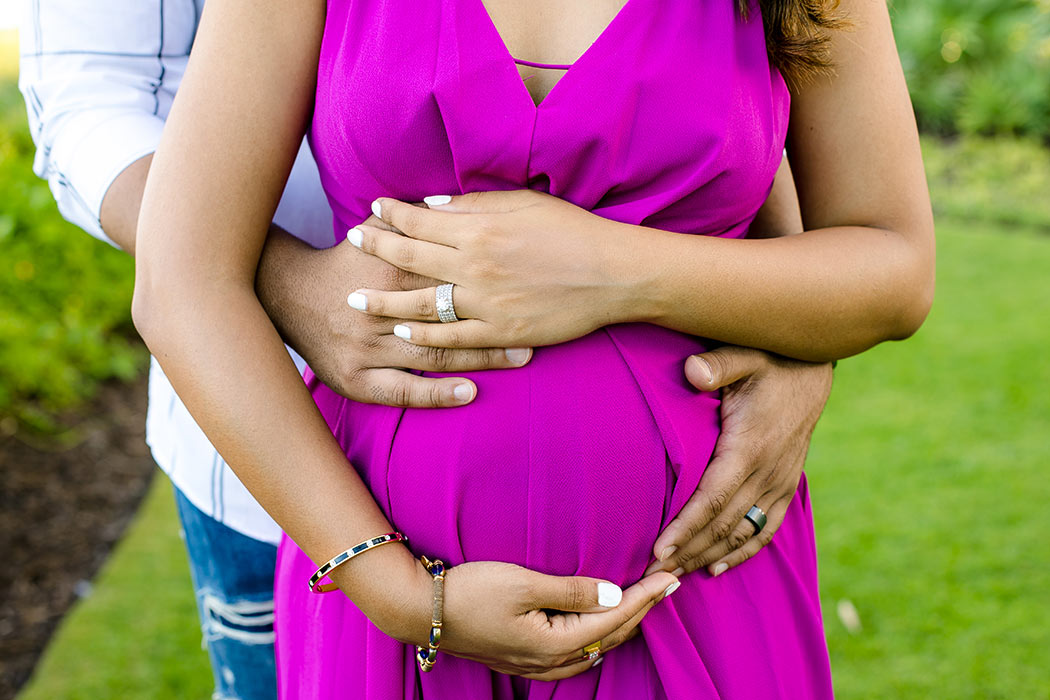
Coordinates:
<point>98,79</point>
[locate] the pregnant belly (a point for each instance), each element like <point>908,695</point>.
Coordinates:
<point>562,466</point>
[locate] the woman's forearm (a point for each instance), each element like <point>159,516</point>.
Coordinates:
<point>212,190</point>
<point>531,269</point>
<point>220,350</point>
<point>817,296</point>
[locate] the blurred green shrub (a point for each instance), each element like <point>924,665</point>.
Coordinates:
<point>977,67</point>
<point>1005,180</point>
<point>64,297</point>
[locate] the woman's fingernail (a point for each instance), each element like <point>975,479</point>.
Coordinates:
<point>668,551</point>
<point>598,661</point>
<point>436,200</point>
<point>720,569</point>
<point>678,572</point>
<point>463,392</point>
<point>356,237</point>
<point>671,589</point>
<point>358,301</point>
<point>518,356</point>
<point>402,331</point>
<point>609,594</point>
<point>377,209</point>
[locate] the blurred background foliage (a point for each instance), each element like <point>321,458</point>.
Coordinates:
<point>65,298</point>
<point>977,67</point>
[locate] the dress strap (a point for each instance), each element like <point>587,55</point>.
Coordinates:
<point>552,66</point>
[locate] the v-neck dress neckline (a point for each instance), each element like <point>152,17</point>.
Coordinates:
<point>591,53</point>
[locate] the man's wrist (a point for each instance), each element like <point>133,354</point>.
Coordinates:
<point>280,282</point>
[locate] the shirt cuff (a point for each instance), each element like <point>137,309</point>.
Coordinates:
<point>90,152</point>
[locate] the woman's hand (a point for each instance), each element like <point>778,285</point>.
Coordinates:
<point>512,619</point>
<point>503,616</point>
<point>530,269</point>
<point>770,406</point>
<point>304,291</point>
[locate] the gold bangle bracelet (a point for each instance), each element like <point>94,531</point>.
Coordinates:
<point>428,657</point>
<point>339,559</point>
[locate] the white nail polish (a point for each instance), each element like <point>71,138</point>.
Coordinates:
<point>609,594</point>
<point>668,551</point>
<point>463,392</point>
<point>436,200</point>
<point>598,661</point>
<point>720,569</point>
<point>402,331</point>
<point>356,237</point>
<point>671,589</point>
<point>377,209</point>
<point>358,301</point>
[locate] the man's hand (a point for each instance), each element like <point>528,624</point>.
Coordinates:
<point>305,293</point>
<point>770,406</point>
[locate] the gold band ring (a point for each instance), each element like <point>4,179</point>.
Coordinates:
<point>591,652</point>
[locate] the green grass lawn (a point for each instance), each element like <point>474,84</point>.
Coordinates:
<point>929,474</point>
<point>929,483</point>
<point>137,635</point>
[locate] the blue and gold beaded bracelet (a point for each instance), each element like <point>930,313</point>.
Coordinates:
<point>428,657</point>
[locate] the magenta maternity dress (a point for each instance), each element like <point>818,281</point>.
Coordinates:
<point>573,464</point>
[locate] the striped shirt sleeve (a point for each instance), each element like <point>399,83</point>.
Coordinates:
<point>98,79</point>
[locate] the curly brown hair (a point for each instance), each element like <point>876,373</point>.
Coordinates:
<point>797,35</point>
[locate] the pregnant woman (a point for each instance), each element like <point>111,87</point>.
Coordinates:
<point>637,167</point>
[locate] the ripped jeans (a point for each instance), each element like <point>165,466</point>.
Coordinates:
<point>233,577</point>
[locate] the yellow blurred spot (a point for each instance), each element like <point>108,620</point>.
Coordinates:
<point>951,52</point>
<point>24,270</point>
<point>1018,38</point>
<point>950,35</point>
<point>1044,49</point>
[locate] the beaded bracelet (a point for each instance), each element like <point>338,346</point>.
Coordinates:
<point>339,559</point>
<point>428,657</point>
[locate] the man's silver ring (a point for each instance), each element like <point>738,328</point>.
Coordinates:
<point>443,303</point>
<point>757,518</point>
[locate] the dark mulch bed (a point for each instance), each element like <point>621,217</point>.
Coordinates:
<point>63,505</point>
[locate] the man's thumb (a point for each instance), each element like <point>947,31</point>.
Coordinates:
<point>721,367</point>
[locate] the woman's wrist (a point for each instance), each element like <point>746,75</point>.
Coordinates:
<point>630,259</point>
<point>391,587</point>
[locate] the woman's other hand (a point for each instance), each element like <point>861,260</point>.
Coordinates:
<point>530,269</point>
<point>521,622</point>
<point>770,406</point>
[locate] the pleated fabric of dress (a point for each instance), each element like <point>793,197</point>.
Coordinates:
<point>673,118</point>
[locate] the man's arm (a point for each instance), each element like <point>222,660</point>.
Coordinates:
<point>781,214</point>
<point>304,292</point>
<point>98,85</point>
<point>770,406</point>
<point>119,214</point>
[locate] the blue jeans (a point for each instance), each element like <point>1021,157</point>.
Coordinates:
<point>233,577</point>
